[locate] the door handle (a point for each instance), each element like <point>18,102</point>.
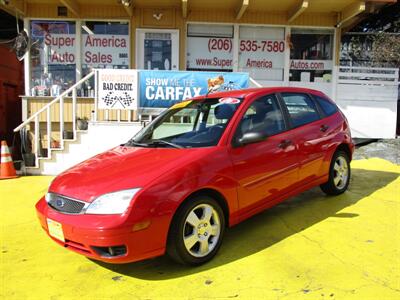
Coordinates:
<point>324,128</point>
<point>284,144</point>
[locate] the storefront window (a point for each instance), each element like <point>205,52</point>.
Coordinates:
<point>262,52</point>
<point>311,55</point>
<point>105,45</point>
<point>209,48</point>
<point>53,62</point>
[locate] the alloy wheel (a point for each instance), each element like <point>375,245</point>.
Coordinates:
<point>201,230</point>
<point>341,172</point>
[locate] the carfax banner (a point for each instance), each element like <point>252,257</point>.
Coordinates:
<point>162,89</point>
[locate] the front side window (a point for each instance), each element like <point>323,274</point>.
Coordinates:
<point>203,123</point>
<point>53,57</point>
<point>263,116</point>
<point>301,108</point>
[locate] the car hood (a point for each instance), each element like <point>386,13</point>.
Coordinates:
<point>121,168</point>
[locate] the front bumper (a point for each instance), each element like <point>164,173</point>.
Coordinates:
<point>85,234</point>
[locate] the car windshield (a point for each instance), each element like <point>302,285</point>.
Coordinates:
<point>189,124</point>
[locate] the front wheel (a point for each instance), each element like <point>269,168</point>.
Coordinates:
<point>339,174</point>
<point>196,231</point>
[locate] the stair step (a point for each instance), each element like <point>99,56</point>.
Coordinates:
<point>44,158</point>
<point>50,157</point>
<point>30,167</point>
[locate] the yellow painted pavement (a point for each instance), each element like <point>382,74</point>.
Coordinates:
<point>309,247</point>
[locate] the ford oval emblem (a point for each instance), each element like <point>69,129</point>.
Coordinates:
<point>60,202</point>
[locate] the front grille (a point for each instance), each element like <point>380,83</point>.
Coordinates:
<point>64,204</point>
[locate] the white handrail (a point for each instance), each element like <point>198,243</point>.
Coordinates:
<point>255,83</point>
<point>65,93</point>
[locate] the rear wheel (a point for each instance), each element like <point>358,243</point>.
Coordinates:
<point>339,174</point>
<point>196,231</point>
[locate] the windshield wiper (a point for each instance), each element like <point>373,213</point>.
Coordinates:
<point>162,142</point>
<point>133,143</point>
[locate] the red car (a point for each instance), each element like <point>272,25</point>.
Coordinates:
<point>201,166</point>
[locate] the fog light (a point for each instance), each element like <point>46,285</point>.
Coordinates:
<point>112,251</point>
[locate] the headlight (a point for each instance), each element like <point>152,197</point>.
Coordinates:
<point>112,203</point>
<point>47,197</point>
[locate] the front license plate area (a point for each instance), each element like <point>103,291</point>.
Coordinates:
<point>55,230</point>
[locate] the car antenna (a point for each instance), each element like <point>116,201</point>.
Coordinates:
<point>208,92</point>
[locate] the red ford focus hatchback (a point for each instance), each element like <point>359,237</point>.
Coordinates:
<point>201,166</point>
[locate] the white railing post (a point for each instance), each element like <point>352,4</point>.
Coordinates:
<point>37,140</point>
<point>118,115</point>
<point>106,115</point>
<point>61,122</point>
<point>335,77</point>
<point>96,94</point>
<point>48,131</point>
<point>74,113</point>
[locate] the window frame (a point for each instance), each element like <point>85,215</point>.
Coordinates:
<point>78,26</point>
<point>320,30</point>
<point>28,22</point>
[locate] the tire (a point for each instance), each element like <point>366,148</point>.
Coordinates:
<point>339,174</point>
<point>196,231</point>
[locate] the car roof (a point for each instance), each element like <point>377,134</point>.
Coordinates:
<point>245,93</point>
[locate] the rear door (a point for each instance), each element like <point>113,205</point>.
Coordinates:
<point>310,134</point>
<point>266,169</point>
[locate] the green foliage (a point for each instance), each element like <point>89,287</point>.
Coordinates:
<point>386,49</point>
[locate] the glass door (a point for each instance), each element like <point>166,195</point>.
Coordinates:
<point>157,49</point>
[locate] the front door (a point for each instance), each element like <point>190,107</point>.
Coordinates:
<point>157,49</point>
<point>266,169</point>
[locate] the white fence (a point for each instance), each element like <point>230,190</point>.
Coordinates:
<point>368,97</point>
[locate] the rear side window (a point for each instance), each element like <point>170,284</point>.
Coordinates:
<point>327,106</point>
<point>301,108</point>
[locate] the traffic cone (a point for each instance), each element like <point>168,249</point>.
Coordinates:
<point>7,169</point>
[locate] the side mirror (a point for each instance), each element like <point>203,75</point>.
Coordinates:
<point>250,138</point>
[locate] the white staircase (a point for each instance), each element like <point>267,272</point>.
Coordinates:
<point>99,136</point>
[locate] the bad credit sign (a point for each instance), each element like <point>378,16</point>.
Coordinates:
<point>117,89</point>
